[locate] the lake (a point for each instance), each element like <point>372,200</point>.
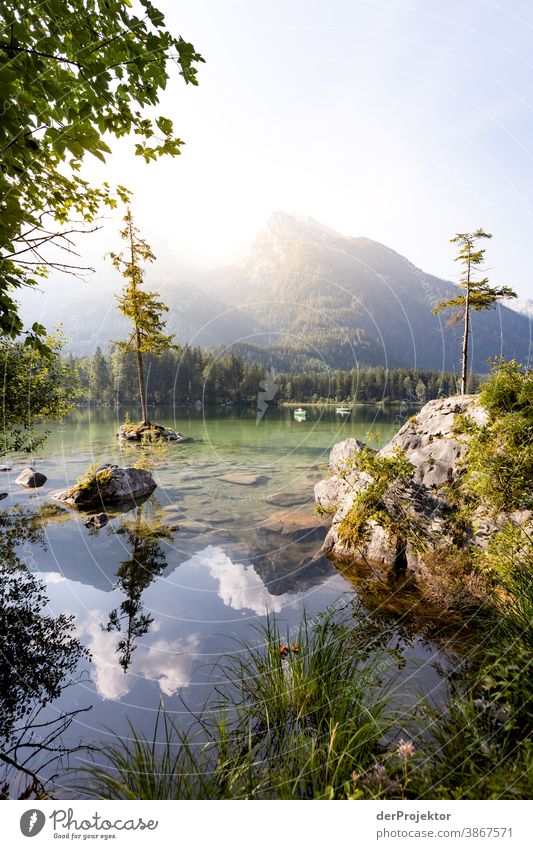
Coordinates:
<point>160,592</point>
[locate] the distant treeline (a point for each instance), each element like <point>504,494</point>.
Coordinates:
<point>193,374</point>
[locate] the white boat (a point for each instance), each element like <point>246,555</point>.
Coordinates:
<point>343,411</point>
<point>300,414</point>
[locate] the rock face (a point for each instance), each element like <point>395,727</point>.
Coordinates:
<point>31,479</point>
<point>435,453</point>
<point>152,432</point>
<point>109,485</point>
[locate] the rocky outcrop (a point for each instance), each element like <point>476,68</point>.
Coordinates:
<point>420,502</point>
<point>108,485</point>
<point>150,432</point>
<point>31,479</point>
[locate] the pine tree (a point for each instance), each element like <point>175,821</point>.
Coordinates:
<point>144,309</point>
<point>478,294</point>
<point>100,380</point>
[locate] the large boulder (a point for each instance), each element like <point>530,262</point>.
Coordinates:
<point>31,479</point>
<point>421,502</point>
<point>108,485</point>
<point>335,491</point>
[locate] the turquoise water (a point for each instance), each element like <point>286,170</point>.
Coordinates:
<point>160,592</point>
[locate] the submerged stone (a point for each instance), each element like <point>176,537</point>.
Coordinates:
<point>242,479</point>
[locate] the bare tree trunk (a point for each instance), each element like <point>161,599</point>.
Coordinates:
<point>464,371</point>
<point>142,381</point>
<point>464,365</point>
<point>140,364</point>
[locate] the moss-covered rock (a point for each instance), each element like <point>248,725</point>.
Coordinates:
<point>108,484</point>
<point>139,432</point>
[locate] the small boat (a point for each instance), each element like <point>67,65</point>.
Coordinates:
<point>343,411</point>
<point>300,415</point>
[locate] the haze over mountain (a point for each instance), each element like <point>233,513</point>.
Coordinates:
<point>304,295</point>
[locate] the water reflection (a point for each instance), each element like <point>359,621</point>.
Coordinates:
<point>239,585</point>
<point>166,661</point>
<point>147,561</point>
<point>38,656</point>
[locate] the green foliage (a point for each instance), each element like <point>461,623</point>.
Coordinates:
<point>498,466</point>
<point>92,480</point>
<point>194,373</point>
<point>369,505</point>
<point>509,389</point>
<point>37,388</point>
<point>144,309</point>
<point>479,295</point>
<point>73,73</point>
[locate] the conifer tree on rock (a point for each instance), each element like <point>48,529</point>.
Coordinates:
<point>143,308</point>
<point>478,294</point>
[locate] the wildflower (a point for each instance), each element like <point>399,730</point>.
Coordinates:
<point>376,780</point>
<point>406,749</point>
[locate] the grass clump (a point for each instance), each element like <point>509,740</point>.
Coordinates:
<point>294,720</point>
<point>90,483</point>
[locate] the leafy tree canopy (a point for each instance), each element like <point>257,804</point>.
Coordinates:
<point>36,388</point>
<point>73,72</point>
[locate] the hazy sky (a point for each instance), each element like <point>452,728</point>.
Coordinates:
<point>401,120</point>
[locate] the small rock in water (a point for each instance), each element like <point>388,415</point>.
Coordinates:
<point>153,432</point>
<point>100,520</point>
<point>288,499</point>
<point>5,468</point>
<point>3,495</point>
<point>242,479</point>
<point>31,479</point>
<point>109,485</point>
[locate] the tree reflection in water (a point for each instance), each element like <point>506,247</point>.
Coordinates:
<point>143,533</point>
<point>39,654</point>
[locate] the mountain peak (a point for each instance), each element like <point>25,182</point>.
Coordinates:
<point>295,226</point>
